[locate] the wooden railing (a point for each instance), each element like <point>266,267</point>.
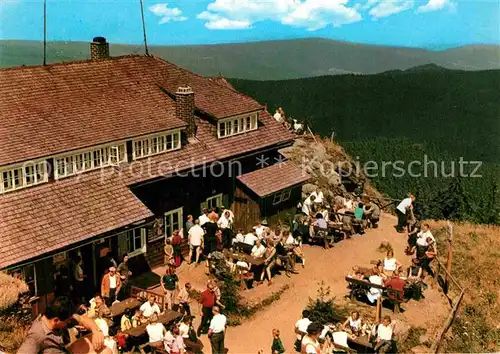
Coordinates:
<point>144,295</point>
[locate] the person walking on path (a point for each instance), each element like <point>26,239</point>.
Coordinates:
<point>217,330</point>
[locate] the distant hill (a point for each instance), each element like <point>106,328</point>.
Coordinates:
<point>424,114</point>
<point>274,60</point>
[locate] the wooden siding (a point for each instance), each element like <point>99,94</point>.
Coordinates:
<point>246,210</point>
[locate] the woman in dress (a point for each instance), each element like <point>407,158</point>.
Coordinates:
<point>176,244</point>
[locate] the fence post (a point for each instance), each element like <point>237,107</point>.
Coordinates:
<point>450,253</point>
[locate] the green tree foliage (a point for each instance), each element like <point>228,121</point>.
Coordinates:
<point>323,309</point>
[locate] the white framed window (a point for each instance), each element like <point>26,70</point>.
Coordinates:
<point>86,160</point>
<point>236,125</point>
<point>132,242</point>
<point>281,196</point>
<point>26,273</point>
<point>21,176</point>
<point>156,144</point>
<point>213,202</point>
<point>173,221</point>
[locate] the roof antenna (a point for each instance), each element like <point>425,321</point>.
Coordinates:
<point>144,29</point>
<point>45,32</point>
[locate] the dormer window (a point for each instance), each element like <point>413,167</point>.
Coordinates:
<point>156,144</point>
<point>236,125</point>
<point>91,159</point>
<point>21,176</point>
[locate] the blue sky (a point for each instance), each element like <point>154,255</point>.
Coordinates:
<point>434,24</point>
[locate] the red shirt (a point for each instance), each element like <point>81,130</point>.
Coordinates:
<point>207,298</point>
<point>395,283</point>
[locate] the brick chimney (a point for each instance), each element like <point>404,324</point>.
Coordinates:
<point>184,100</point>
<point>99,49</point>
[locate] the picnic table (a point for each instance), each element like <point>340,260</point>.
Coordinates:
<point>248,258</point>
<point>166,317</point>
<point>362,341</point>
<point>119,308</point>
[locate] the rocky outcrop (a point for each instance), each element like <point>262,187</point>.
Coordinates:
<point>332,170</point>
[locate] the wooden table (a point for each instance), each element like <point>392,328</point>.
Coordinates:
<point>164,318</point>
<point>249,259</point>
<point>120,307</point>
<point>361,341</point>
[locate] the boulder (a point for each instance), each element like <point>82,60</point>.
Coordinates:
<point>300,143</point>
<point>334,179</point>
<point>319,152</point>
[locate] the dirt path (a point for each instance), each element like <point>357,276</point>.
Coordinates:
<point>329,266</point>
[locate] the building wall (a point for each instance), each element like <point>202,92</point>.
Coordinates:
<point>246,210</point>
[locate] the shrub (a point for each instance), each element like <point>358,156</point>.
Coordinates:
<point>323,309</point>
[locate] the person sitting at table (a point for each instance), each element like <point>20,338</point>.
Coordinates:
<point>137,318</point>
<point>242,265</point>
<point>178,346</point>
<point>156,332</point>
<point>307,205</point>
<point>98,307</point>
<point>258,250</point>
<point>284,256</point>
<point>321,229</point>
<point>310,343</point>
<point>109,342</point>
<point>248,242</point>
<point>295,244</point>
<point>374,293</point>
<point>390,263</point>
<point>415,280</point>
<point>353,323</point>
<point>269,262</point>
<point>396,283</point>
<point>188,333</point>
<point>372,214</point>
<point>125,321</point>
<point>150,307</point>
<point>384,332</point>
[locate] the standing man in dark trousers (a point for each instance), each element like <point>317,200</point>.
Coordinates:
<point>403,210</point>
<point>207,302</point>
<point>217,330</point>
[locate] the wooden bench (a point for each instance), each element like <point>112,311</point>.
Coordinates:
<point>119,308</point>
<point>358,287</point>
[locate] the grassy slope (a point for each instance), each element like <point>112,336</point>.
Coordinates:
<point>476,264</point>
<point>271,59</point>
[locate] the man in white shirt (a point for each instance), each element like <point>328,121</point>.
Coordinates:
<point>384,335</point>
<point>251,238</point>
<point>302,324</point>
<point>195,240</point>
<point>425,233</point>
<point>156,331</point>
<point>150,307</point>
<point>402,210</point>
<point>318,196</point>
<point>216,331</point>
<point>258,250</point>
<point>204,217</point>
<point>307,205</point>
<point>260,229</point>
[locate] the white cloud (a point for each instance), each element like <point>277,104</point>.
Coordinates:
<point>311,14</point>
<point>386,8</point>
<point>166,13</point>
<point>434,5</point>
<point>217,22</point>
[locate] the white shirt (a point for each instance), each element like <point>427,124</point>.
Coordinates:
<point>390,264</point>
<point>218,323</point>
<point>405,203</point>
<point>195,235</point>
<point>257,252</point>
<point>239,237</point>
<point>349,204</point>
<point>290,240</point>
<point>422,238</point>
<point>340,338</point>
<point>374,293</point>
<point>184,330</point>
<point>260,231</point>
<point>223,222</point>
<point>250,239</point>
<point>203,219</point>
<point>302,325</point>
<point>155,332</point>
<point>383,332</point>
<point>311,346</point>
<point>112,282</point>
<point>319,197</point>
<point>306,206</point>
<point>148,310</point>
<point>78,273</point>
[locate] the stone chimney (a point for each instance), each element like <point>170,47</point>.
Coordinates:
<point>184,101</point>
<point>99,49</point>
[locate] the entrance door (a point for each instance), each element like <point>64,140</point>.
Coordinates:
<point>174,221</point>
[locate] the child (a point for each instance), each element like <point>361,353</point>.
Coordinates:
<point>277,347</point>
<point>136,320</point>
